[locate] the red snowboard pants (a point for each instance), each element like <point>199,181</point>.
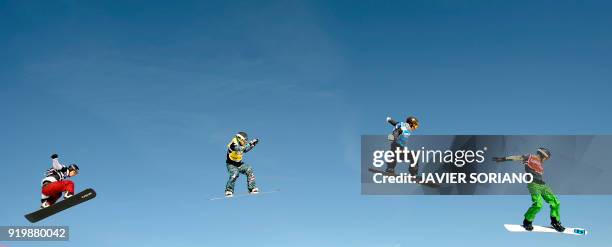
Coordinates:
<point>54,190</point>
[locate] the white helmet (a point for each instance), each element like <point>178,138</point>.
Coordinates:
<point>544,152</point>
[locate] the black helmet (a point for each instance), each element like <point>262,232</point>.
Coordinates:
<point>544,152</point>
<point>242,135</point>
<point>73,167</point>
<point>413,122</point>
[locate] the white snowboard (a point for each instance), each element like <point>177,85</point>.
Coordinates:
<point>242,195</point>
<point>568,230</point>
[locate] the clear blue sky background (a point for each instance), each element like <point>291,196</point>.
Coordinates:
<point>145,95</point>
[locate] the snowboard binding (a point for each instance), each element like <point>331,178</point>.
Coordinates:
<point>556,224</point>
<point>527,225</point>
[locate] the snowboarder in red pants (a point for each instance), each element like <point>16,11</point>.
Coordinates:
<point>56,182</point>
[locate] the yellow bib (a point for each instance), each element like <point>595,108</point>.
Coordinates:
<point>234,155</point>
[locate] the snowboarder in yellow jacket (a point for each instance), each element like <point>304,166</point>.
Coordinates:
<point>237,147</point>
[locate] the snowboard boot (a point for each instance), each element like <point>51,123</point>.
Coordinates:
<point>413,171</point>
<point>229,193</point>
<point>254,191</point>
<point>45,204</point>
<point>556,224</point>
<point>68,195</point>
<point>527,225</point>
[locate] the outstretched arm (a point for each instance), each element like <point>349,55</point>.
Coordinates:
<point>55,162</point>
<point>391,121</point>
<point>251,145</point>
<point>509,158</point>
<point>245,148</point>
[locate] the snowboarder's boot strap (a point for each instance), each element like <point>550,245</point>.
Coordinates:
<point>68,195</point>
<point>527,225</point>
<point>556,224</point>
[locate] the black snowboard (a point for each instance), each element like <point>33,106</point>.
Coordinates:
<point>79,198</point>
<point>432,185</point>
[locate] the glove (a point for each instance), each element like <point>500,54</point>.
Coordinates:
<point>54,156</point>
<point>390,137</point>
<point>499,159</point>
<point>254,142</point>
<point>388,119</point>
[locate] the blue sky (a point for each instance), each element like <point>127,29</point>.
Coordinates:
<point>145,95</point>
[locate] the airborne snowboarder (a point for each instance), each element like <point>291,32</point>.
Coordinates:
<point>57,181</point>
<point>235,166</point>
<point>537,188</point>
<point>399,139</point>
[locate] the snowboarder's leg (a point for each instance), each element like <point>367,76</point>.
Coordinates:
<point>391,165</point>
<point>413,170</point>
<point>248,171</point>
<point>233,175</point>
<point>553,201</point>
<point>536,200</point>
<point>54,190</point>
<point>68,188</point>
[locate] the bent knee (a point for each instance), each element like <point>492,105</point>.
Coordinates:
<point>555,203</point>
<point>537,205</point>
